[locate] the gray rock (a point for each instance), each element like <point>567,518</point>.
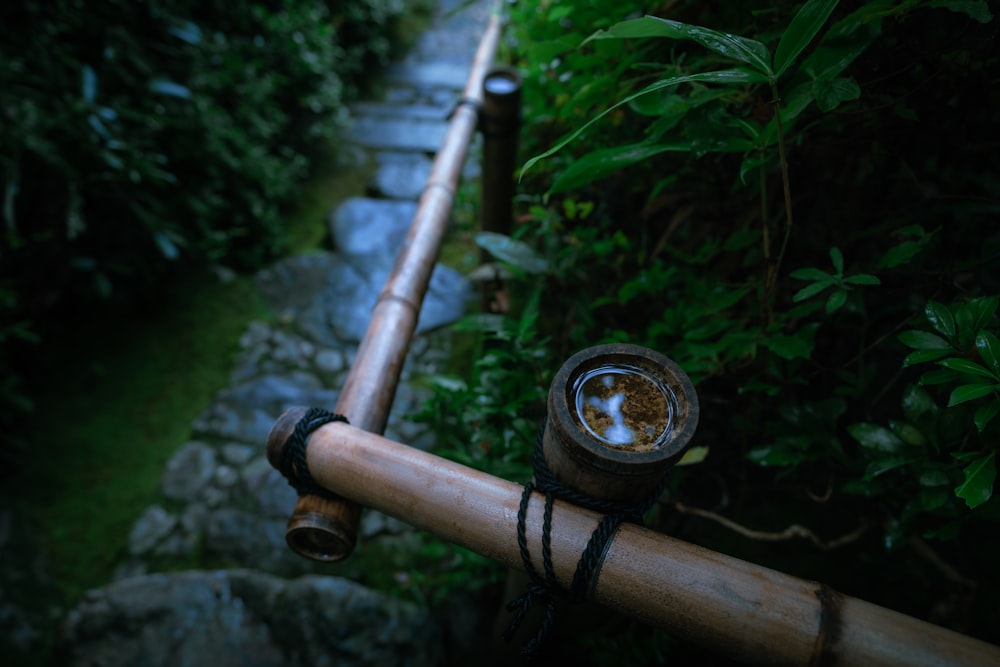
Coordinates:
<point>403,178</point>
<point>269,489</point>
<point>246,619</point>
<point>405,134</point>
<point>189,471</point>
<point>361,226</point>
<point>436,74</point>
<point>236,454</point>
<point>150,529</point>
<point>247,411</point>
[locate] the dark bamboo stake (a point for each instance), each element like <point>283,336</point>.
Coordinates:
<point>732,607</point>
<point>326,529</point>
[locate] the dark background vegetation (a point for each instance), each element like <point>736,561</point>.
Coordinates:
<point>842,337</point>
<point>845,362</point>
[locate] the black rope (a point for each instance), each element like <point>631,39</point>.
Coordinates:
<point>293,463</point>
<point>547,588</point>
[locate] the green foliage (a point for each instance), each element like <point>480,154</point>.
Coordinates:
<point>143,139</point>
<point>673,156</point>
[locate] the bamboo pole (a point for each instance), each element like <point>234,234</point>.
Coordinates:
<point>732,607</point>
<point>326,529</point>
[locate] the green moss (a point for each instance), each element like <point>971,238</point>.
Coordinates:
<point>116,397</point>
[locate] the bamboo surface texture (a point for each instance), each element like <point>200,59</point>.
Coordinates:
<point>370,387</point>
<point>735,608</point>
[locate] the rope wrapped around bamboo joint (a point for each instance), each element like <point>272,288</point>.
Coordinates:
<point>735,608</point>
<point>588,566</point>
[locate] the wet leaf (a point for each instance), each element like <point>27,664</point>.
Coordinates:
<point>985,414</point>
<point>800,32</point>
<point>923,340</point>
<point>739,48</point>
<point>989,350</point>
<point>979,477</point>
<point>512,251</point>
<point>940,318</point>
<point>967,367</point>
<point>970,392</point>
<point>876,437</point>
<point>738,75</point>
<point>170,88</point>
<point>829,94</point>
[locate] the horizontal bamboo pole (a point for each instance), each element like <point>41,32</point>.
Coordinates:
<point>368,392</point>
<point>727,605</point>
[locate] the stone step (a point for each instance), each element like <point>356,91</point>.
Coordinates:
<point>415,111</point>
<point>430,74</point>
<point>400,176</point>
<point>405,134</point>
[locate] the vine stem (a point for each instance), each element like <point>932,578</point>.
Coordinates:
<point>773,268</point>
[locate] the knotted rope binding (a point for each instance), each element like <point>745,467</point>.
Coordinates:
<point>293,463</point>
<point>587,568</point>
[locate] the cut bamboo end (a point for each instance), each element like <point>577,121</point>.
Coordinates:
<point>320,528</point>
<point>619,416</point>
<point>323,529</point>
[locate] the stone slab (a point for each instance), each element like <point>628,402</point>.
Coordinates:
<point>430,74</point>
<point>398,133</point>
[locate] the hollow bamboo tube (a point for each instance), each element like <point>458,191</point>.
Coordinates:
<point>732,607</point>
<point>326,529</point>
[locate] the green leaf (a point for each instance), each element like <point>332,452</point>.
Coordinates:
<point>170,88</point>
<point>979,477</point>
<point>923,340</point>
<point>907,432</point>
<point>985,414</point>
<point>876,437</point>
<point>940,318</point>
<point>973,316</point>
<point>967,367</point>
<point>797,346</point>
<point>939,376</point>
<point>829,94</point>
<point>989,350</point>
<point>739,48</point>
<point>837,258</point>
<point>729,76</point>
<point>887,463</point>
<point>606,161</point>
<point>977,10</point>
<point>812,290</point>
<point>934,477</point>
<point>800,31</point>
<point>836,301</point>
<point>89,83</point>
<point>970,392</point>
<point>917,402</point>
<point>842,44</point>
<point>923,356</point>
<point>862,279</point>
<point>812,274</point>
<point>516,253</point>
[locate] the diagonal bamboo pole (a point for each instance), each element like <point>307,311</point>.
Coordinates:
<point>732,607</point>
<point>326,529</point>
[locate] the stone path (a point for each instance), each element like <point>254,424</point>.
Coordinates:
<point>223,504</point>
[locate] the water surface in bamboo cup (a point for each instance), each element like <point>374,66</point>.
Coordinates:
<point>625,406</point>
<point>619,416</point>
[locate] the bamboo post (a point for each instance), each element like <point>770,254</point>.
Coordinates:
<point>500,123</point>
<point>727,605</point>
<point>326,529</point>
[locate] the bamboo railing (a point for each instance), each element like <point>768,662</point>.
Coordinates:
<point>735,608</point>
<point>326,529</point>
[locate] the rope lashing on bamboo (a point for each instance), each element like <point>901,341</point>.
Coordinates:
<point>293,463</point>
<point>588,568</point>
